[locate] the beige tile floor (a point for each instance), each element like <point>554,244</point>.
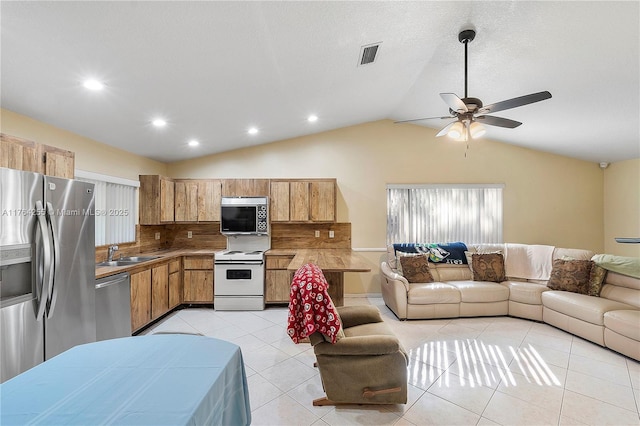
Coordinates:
<point>465,371</point>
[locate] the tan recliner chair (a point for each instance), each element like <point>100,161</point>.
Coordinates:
<point>366,366</point>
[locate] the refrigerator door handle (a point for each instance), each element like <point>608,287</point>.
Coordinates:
<point>43,288</point>
<point>53,290</point>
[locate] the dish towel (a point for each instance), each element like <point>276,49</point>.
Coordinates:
<point>310,307</point>
<point>528,261</point>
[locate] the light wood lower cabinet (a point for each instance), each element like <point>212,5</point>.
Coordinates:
<point>140,299</point>
<point>160,291</point>
<point>277,278</point>
<point>198,279</point>
<point>175,283</point>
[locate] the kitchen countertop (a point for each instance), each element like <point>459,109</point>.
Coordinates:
<point>163,256</point>
<point>330,260</point>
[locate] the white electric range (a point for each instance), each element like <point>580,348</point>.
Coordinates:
<point>239,274</point>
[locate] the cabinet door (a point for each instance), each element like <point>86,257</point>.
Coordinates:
<point>198,286</point>
<point>160,291</point>
<point>299,201</point>
<point>140,299</point>
<point>58,162</point>
<point>167,191</point>
<point>245,187</point>
<point>186,201</point>
<point>175,289</point>
<point>323,201</point>
<point>209,200</point>
<point>19,154</point>
<point>279,201</point>
<point>278,284</point>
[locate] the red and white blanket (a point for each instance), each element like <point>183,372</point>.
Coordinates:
<point>310,307</point>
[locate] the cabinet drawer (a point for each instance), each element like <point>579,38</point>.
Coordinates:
<point>198,262</point>
<point>278,262</point>
<point>174,266</point>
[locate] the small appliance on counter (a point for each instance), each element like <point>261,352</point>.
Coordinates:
<point>240,269</point>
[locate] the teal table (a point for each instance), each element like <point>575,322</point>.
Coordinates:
<point>168,379</point>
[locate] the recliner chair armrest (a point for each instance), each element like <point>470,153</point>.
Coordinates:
<point>379,344</point>
<point>358,314</point>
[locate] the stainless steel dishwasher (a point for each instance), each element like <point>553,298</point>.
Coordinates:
<point>113,307</point>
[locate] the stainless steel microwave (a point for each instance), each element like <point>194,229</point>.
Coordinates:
<point>244,215</point>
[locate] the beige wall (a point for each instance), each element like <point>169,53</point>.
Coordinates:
<point>548,199</point>
<point>89,155</point>
<point>622,206</point>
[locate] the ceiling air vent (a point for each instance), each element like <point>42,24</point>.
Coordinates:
<point>368,54</point>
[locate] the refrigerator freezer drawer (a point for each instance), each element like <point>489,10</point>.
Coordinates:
<point>21,339</point>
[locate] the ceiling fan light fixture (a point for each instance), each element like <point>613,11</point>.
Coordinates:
<point>477,130</point>
<point>456,130</point>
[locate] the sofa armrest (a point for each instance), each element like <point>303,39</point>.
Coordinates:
<point>378,344</point>
<point>357,315</point>
<point>395,290</point>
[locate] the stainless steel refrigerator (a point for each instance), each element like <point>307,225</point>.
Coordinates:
<point>47,268</point>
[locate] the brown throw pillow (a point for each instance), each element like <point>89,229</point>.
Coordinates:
<point>596,278</point>
<point>416,269</point>
<point>570,275</point>
<point>488,267</point>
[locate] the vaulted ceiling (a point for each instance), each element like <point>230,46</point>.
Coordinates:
<point>213,70</point>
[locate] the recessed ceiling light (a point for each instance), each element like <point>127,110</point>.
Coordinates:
<point>159,122</point>
<point>92,84</point>
<point>193,142</point>
<point>312,118</point>
<point>252,131</point>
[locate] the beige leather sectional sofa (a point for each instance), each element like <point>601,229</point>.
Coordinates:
<point>611,320</point>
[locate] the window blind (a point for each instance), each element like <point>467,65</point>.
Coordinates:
<point>444,213</point>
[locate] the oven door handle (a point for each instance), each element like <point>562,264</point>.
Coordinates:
<point>240,263</point>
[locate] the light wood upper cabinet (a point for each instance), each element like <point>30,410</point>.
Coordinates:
<point>299,201</point>
<point>156,200</point>
<point>323,201</point>
<point>245,187</point>
<point>308,200</point>
<point>279,201</point>
<point>23,154</point>
<point>197,200</point>
<point>58,162</point>
<point>186,201</point>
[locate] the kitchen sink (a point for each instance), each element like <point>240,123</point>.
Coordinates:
<point>137,259</point>
<point>126,261</point>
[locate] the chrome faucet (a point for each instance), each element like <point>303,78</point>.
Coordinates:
<point>112,250</point>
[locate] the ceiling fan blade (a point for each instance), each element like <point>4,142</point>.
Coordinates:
<point>445,129</point>
<point>498,121</point>
<point>454,102</point>
<point>515,102</point>
<point>425,118</point>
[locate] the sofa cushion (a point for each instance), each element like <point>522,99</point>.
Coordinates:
<point>432,293</point>
<point>581,306</point>
<point>481,291</point>
<point>416,269</point>
<point>525,292</point>
<point>488,267</point>
<point>570,275</point>
<point>624,322</point>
